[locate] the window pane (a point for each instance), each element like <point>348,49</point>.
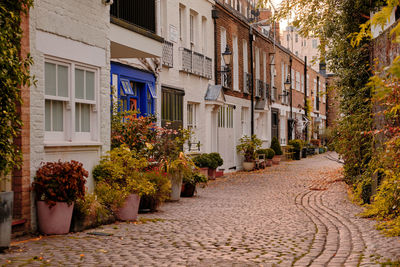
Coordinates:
<point>50,79</point>
<point>62,80</point>
<point>47,115</point>
<point>58,116</point>
<point>89,85</point>
<point>77,117</point>
<point>85,117</point>
<point>79,84</point>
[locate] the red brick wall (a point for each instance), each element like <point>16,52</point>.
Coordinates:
<point>21,177</point>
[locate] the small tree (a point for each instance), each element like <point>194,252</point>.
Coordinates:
<point>276,146</point>
<point>248,146</point>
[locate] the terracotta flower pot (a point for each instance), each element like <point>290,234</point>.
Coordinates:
<point>204,171</point>
<point>55,220</point>
<point>248,166</point>
<point>276,159</point>
<point>188,190</point>
<point>211,173</point>
<point>268,162</point>
<point>148,204</point>
<point>129,211</point>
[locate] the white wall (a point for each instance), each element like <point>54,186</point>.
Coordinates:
<point>78,32</point>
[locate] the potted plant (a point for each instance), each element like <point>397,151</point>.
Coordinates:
<point>297,145</point>
<point>178,169</point>
<point>269,154</point>
<point>190,182</point>
<point>120,182</point>
<point>57,186</point>
<point>247,147</point>
<point>214,162</point>
<point>6,208</point>
<point>277,150</point>
<point>202,162</point>
<point>162,185</point>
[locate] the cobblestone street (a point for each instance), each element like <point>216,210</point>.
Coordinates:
<point>297,213</point>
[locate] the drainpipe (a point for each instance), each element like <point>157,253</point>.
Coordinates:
<point>291,105</point>
<point>305,95</point>
<point>214,15</point>
<point>252,79</point>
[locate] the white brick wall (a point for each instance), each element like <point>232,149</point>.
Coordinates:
<point>81,28</point>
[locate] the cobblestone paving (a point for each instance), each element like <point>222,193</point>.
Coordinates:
<point>294,214</point>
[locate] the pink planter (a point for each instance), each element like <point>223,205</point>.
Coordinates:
<point>211,173</point>
<point>55,220</point>
<point>268,162</point>
<point>276,159</point>
<point>129,211</point>
<point>219,174</point>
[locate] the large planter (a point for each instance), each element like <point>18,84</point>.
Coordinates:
<point>276,159</point>
<point>148,204</point>
<point>248,166</point>
<point>297,154</point>
<point>130,208</point>
<point>176,187</point>
<point>219,173</point>
<point>55,220</point>
<point>188,190</point>
<point>211,174</point>
<point>6,207</point>
<point>268,162</point>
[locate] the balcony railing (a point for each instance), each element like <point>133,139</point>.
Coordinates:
<point>168,54</point>
<point>196,63</point>
<point>274,93</point>
<point>208,68</point>
<point>246,83</point>
<point>267,91</point>
<point>186,60</point>
<point>141,13</point>
<point>259,89</point>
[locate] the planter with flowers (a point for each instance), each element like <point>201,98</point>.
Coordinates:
<point>277,149</point>
<point>57,186</point>
<point>120,182</point>
<point>162,185</point>
<point>247,147</point>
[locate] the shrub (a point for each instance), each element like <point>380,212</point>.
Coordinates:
<point>161,183</point>
<point>90,212</point>
<point>216,157</point>
<point>276,146</point>
<point>118,175</point>
<point>248,146</point>
<point>201,161</point>
<point>60,182</point>
<point>268,152</point>
<point>297,144</point>
<point>195,178</point>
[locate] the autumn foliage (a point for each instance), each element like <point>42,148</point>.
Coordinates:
<point>60,182</point>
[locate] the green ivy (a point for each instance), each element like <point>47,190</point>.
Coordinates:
<point>14,73</point>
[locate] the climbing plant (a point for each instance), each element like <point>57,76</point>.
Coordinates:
<point>14,74</point>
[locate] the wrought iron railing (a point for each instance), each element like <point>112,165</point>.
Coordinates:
<point>141,13</point>
<point>208,68</point>
<point>259,89</point>
<point>267,89</point>
<point>198,64</point>
<point>186,60</point>
<point>168,54</point>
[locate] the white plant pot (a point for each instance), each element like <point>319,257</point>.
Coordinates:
<point>248,166</point>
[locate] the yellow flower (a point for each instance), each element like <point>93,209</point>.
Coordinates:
<point>149,146</point>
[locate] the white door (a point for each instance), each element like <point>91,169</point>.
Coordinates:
<point>226,135</point>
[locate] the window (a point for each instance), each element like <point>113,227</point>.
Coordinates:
<point>296,38</point>
<point>70,107</point>
<point>172,107</point>
<point>302,83</point>
<point>192,115</point>
<point>191,28</point>
<point>235,63</point>
<point>222,49</point>
<point>257,63</point>
<point>298,81</point>
<point>243,117</point>
<point>245,64</point>
<point>308,85</point>
<point>181,16</point>
<point>225,116</point>
<point>204,27</point>
<point>314,43</point>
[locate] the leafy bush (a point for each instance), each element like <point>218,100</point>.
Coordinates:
<point>216,157</point>
<point>195,178</point>
<point>90,212</point>
<point>276,146</point>
<point>268,152</point>
<point>202,161</point>
<point>297,144</point>
<point>118,175</point>
<point>60,182</point>
<point>248,146</point>
<point>161,183</point>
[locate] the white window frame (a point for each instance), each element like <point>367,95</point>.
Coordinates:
<point>235,63</point>
<point>69,134</point>
<point>192,116</point>
<point>223,46</point>
<point>245,63</point>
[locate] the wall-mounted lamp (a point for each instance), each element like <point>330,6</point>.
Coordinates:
<point>227,57</point>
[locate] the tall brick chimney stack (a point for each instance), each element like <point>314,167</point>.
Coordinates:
<point>266,13</point>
